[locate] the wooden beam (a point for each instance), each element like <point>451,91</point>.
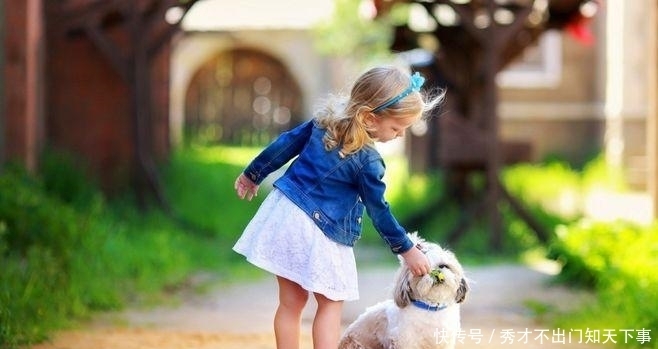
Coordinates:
<point>109,50</point>
<point>156,44</point>
<point>520,18</point>
<point>144,26</point>
<point>77,18</point>
<point>524,214</point>
<point>165,36</point>
<point>466,18</point>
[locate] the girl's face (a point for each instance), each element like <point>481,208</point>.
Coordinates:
<point>385,129</point>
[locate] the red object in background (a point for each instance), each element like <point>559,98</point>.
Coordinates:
<point>581,31</point>
<point>579,26</point>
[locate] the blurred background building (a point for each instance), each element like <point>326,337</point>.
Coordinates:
<point>240,66</point>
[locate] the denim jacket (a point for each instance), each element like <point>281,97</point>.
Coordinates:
<point>332,190</point>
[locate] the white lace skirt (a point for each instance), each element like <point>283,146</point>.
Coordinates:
<point>285,241</point>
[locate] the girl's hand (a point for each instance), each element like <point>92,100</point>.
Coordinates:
<point>245,187</point>
<point>416,261</point>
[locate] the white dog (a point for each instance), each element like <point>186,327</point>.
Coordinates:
<point>424,311</point>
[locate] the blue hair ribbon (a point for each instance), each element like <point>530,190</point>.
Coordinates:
<point>416,82</point>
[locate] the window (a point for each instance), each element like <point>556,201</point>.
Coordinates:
<point>539,66</point>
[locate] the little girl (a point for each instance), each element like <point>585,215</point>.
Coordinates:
<point>306,228</point>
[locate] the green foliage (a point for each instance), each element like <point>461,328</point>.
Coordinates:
<point>351,32</point>
<point>200,184</point>
<point>64,177</point>
<point>598,173</point>
<point>560,189</point>
<point>555,187</point>
<point>40,238</point>
<point>409,194</point>
<point>66,252</point>
<point>619,261</point>
<point>615,259</point>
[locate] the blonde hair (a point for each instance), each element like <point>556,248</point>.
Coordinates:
<point>345,118</point>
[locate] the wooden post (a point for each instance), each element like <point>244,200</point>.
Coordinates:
<point>487,42</point>
<point>22,69</point>
<point>140,87</point>
<point>492,47</point>
<point>652,118</point>
<point>2,85</point>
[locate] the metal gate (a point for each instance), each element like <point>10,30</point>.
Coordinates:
<point>241,97</point>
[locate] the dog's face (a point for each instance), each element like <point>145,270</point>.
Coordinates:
<point>446,283</point>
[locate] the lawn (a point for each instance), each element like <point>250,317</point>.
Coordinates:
<point>68,252</point>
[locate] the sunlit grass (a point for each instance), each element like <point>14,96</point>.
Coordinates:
<point>200,184</point>
<point>619,261</point>
<point>228,155</point>
<point>67,252</point>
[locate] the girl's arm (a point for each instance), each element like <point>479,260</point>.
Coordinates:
<point>285,147</point>
<point>371,190</point>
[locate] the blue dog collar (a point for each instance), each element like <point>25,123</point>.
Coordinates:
<point>427,306</point>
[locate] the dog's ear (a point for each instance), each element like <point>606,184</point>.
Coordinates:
<point>461,291</point>
<point>402,289</point>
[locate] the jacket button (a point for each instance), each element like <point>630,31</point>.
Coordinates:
<point>358,220</point>
<point>316,215</point>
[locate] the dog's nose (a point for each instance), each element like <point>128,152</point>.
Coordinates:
<point>441,266</point>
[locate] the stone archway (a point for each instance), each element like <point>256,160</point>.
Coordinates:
<point>241,97</point>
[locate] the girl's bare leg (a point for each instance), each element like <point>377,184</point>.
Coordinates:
<point>287,320</point>
<point>326,325</point>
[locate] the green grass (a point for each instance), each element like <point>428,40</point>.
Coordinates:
<point>619,261</point>
<point>615,260</point>
<point>199,184</point>
<point>67,252</point>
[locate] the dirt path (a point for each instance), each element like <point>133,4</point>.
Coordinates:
<point>495,315</point>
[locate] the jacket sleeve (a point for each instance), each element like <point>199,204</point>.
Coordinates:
<point>371,190</point>
<point>285,147</point>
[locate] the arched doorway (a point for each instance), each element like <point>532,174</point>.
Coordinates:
<point>241,97</point>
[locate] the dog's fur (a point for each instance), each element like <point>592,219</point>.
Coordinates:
<point>398,323</point>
